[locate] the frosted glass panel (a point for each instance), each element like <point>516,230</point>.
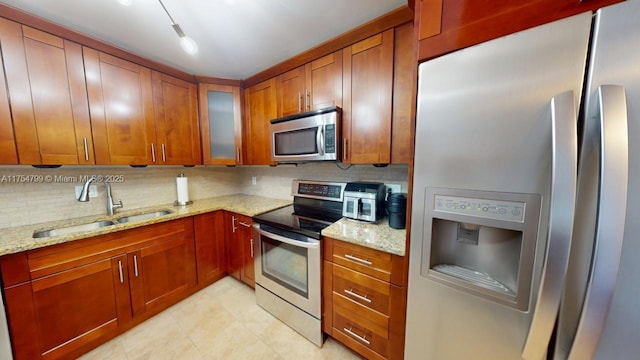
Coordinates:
<point>221,125</point>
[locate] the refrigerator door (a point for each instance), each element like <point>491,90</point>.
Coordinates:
<point>600,306</point>
<point>484,123</point>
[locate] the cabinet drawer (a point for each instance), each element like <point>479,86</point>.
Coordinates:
<point>371,262</point>
<point>361,288</point>
<point>360,325</point>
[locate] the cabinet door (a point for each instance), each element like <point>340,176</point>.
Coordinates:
<point>404,95</point>
<point>324,82</point>
<point>291,92</point>
<point>368,83</point>
<point>8,153</point>
<point>76,307</point>
<point>46,85</point>
<point>248,247</point>
<point>260,108</point>
<point>449,25</point>
<point>220,124</point>
<point>210,246</point>
<point>176,119</point>
<point>162,271</point>
<point>233,245</point>
<point>121,107</point>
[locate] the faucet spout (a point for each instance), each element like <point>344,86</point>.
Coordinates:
<point>84,194</point>
<point>111,206</point>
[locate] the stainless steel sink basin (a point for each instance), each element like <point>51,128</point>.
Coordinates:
<point>144,216</point>
<point>72,229</point>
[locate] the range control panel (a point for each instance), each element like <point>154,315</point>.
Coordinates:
<point>486,208</point>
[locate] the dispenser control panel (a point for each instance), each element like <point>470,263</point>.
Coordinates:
<point>485,208</point>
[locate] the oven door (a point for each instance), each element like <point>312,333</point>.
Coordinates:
<point>288,265</point>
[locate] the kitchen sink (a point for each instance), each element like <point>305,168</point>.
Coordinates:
<point>144,216</point>
<point>72,229</point>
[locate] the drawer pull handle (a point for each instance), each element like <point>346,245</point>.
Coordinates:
<point>361,338</point>
<point>363,298</point>
<point>355,258</point>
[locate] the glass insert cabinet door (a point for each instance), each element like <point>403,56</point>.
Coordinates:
<point>220,124</point>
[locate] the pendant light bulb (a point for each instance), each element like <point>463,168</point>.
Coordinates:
<point>188,45</point>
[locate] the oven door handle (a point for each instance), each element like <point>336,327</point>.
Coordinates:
<point>309,245</point>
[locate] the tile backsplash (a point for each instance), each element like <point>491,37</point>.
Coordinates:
<point>32,195</point>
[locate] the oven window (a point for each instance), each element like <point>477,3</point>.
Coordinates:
<point>296,142</point>
<point>285,264</point>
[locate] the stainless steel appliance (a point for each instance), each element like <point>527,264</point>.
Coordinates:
<point>5,342</point>
<point>364,201</point>
<point>517,252</point>
<point>309,136</point>
<point>289,257</point>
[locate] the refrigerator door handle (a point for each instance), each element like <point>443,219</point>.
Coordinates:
<point>562,206</point>
<point>612,206</point>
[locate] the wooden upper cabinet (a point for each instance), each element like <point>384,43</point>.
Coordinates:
<point>46,85</point>
<point>260,108</point>
<point>291,92</point>
<point>8,153</point>
<point>324,81</point>
<point>121,107</point>
<point>312,86</point>
<point>448,25</point>
<point>404,95</point>
<point>176,119</point>
<point>220,124</point>
<point>367,103</point>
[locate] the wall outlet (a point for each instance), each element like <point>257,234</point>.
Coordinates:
<point>395,188</point>
<point>254,180</point>
<point>93,191</point>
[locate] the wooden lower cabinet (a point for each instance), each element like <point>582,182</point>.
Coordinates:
<point>65,299</point>
<point>364,297</point>
<point>210,238</point>
<point>240,248</point>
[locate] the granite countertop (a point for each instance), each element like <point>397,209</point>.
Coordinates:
<point>378,235</point>
<point>18,239</point>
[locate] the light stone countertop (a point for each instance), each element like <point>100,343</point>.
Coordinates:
<point>378,235</point>
<point>18,239</point>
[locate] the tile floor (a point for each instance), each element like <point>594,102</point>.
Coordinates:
<point>221,321</point>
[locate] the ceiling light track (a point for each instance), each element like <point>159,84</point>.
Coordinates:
<point>187,43</point>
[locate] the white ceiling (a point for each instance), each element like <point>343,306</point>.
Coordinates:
<point>236,38</point>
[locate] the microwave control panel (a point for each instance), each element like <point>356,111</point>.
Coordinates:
<point>330,138</point>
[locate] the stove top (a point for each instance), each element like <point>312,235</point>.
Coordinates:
<point>316,205</point>
<point>287,219</point>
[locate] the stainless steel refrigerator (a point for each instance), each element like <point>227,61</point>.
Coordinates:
<point>525,230</point>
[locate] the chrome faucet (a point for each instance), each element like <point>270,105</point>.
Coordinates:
<point>84,195</point>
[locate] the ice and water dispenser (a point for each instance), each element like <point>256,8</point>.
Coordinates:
<point>482,243</point>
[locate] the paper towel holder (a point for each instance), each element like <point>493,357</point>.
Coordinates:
<point>178,202</point>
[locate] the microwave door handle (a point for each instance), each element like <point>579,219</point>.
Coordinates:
<point>320,140</point>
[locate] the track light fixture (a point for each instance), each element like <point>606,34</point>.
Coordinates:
<point>187,43</point>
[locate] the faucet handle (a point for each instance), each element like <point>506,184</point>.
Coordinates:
<point>118,205</point>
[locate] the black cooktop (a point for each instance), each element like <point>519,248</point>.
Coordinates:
<point>288,219</point>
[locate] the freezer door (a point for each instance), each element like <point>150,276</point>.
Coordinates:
<point>600,305</point>
<point>485,123</point>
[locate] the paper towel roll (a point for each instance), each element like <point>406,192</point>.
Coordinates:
<point>182,187</point>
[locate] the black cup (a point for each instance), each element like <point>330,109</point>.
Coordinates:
<point>397,209</point>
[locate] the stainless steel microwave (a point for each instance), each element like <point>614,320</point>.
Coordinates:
<point>309,136</point>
